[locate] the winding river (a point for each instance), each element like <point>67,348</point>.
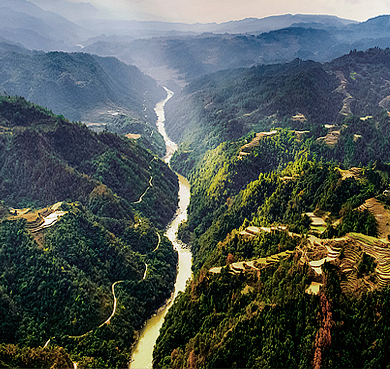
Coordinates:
<point>143,350</point>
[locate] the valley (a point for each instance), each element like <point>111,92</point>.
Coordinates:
<point>207,195</point>
<point>143,350</point>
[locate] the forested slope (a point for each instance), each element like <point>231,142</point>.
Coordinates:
<point>221,311</point>
<point>59,286</point>
<point>229,104</point>
<point>62,265</point>
<point>289,233</point>
<point>298,95</point>
<point>45,159</point>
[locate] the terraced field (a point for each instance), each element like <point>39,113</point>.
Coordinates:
<point>346,252</point>
<point>380,251</point>
<point>318,224</point>
<point>353,172</point>
<point>257,264</point>
<point>381,215</point>
<point>38,219</point>
<point>346,109</point>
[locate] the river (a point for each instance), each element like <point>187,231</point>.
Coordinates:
<point>143,350</point>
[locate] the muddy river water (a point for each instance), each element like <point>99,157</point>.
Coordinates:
<point>143,350</point>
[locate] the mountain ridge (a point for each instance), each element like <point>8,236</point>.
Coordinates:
<point>101,91</point>
<point>68,161</point>
<point>301,95</point>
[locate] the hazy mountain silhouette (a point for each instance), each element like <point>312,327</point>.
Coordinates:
<point>27,24</point>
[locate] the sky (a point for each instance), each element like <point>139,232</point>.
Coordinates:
<point>207,11</point>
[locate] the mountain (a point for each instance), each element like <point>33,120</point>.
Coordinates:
<point>75,267</point>
<point>266,24</point>
<point>288,224</point>
<point>176,53</point>
<point>141,29</point>
<point>23,22</point>
<point>227,105</point>
<point>374,28</point>
<point>65,26</point>
<point>69,10</point>
<point>301,95</point>
<point>181,58</point>
<point>107,173</point>
<point>9,46</point>
<point>194,56</point>
<point>98,91</point>
<point>263,259</point>
<point>80,219</point>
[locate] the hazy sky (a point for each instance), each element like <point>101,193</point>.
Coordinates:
<point>204,11</point>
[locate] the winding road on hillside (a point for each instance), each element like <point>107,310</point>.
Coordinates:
<point>147,189</point>
<point>158,243</point>
<point>107,321</point>
<point>110,317</point>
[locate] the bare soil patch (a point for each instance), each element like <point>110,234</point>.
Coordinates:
<point>134,136</point>
<point>354,172</point>
<point>245,150</point>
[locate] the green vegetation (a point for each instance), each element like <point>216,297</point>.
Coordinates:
<point>257,153</point>
<point>105,172</point>
<point>267,321</point>
<point>244,322</point>
<point>261,315</point>
<point>62,287</point>
<point>150,138</point>
<point>12,356</point>
<point>58,283</point>
<point>224,106</point>
<point>227,189</point>
<point>264,318</point>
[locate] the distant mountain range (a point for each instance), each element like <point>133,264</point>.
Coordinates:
<point>62,25</point>
<point>25,23</point>
<point>175,53</point>
<point>46,28</point>
<point>244,43</point>
<point>247,25</point>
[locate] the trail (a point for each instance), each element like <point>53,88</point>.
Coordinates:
<point>146,270</point>
<point>115,303</point>
<point>112,314</point>
<point>101,325</point>
<point>147,189</point>
<point>158,243</point>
